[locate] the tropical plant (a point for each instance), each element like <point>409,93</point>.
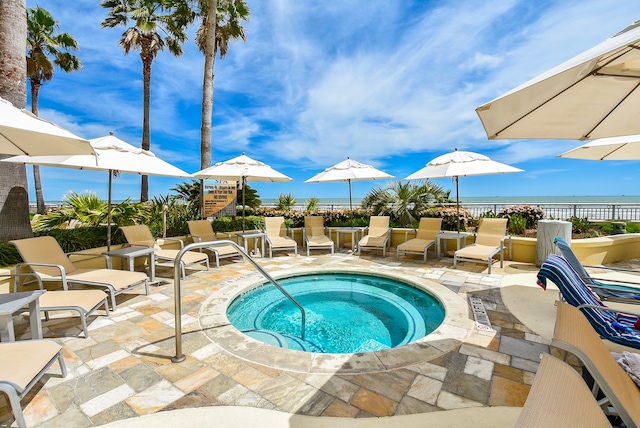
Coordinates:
<point>213,37</point>
<point>150,19</point>
<point>312,204</point>
<point>89,210</point>
<point>404,202</point>
<point>251,197</point>
<point>189,193</point>
<point>46,48</point>
<point>14,197</point>
<point>285,201</point>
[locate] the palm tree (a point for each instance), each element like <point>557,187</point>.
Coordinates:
<point>404,201</point>
<point>227,26</point>
<point>43,44</point>
<point>149,18</point>
<point>14,197</point>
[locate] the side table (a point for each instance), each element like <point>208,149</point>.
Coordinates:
<point>130,253</point>
<point>11,303</point>
<point>460,237</point>
<point>256,235</point>
<point>341,231</point>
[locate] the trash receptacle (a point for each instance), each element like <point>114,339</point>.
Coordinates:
<point>618,227</point>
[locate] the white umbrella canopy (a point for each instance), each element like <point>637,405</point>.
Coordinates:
<point>459,164</point>
<point>243,169</point>
<point>23,133</point>
<point>112,155</point>
<point>593,95</point>
<point>348,170</point>
<point>615,148</point>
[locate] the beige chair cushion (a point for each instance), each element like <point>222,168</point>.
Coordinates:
<point>22,361</point>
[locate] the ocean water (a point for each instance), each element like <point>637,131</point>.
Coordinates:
<point>620,199</point>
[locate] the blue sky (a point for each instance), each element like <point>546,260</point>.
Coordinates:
<point>388,83</point>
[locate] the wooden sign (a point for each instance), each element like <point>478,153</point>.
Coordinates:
<point>220,198</point>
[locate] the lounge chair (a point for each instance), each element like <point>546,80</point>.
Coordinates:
<point>425,238</point>
<point>85,302</point>
<point>575,334</point>
<point>489,241</point>
<point>377,237</point>
<point>22,364</point>
<point>202,231</point>
<point>276,236</point>
<point>48,263</point>
<point>139,235</point>
<point>608,289</point>
<point>559,397</point>
<point>611,324</point>
<point>314,234</point>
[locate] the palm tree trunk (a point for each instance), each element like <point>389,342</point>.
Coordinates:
<point>207,85</point>
<point>14,198</point>
<point>37,184</point>
<point>146,141</point>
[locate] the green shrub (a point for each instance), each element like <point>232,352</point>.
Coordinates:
<point>517,225</point>
<point>449,217</point>
<point>529,212</point>
<point>580,224</point>
<point>9,255</point>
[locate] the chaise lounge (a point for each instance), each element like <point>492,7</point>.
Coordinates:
<point>489,241</point>
<point>202,231</point>
<point>48,263</point>
<point>425,238</point>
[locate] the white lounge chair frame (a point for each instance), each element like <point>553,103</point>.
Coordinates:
<point>488,241</point>
<point>425,238</point>
<point>24,360</point>
<point>66,273</point>
<point>315,236</point>
<point>140,236</point>
<point>276,235</point>
<point>202,231</point>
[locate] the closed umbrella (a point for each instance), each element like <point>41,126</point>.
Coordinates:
<point>593,95</point>
<point>348,170</point>
<point>242,169</point>
<point>23,133</point>
<point>114,156</point>
<point>626,147</point>
<point>460,163</point>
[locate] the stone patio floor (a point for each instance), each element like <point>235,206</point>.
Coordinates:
<point>124,369</point>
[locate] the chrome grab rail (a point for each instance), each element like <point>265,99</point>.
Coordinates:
<point>179,357</point>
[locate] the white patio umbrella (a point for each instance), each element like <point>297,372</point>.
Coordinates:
<point>23,133</point>
<point>626,147</point>
<point>114,156</point>
<point>243,169</point>
<point>348,171</point>
<point>459,164</point>
<point>593,95</point>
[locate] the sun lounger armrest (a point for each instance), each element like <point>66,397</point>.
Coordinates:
<point>88,256</point>
<point>509,245</point>
<point>608,309</point>
<point>194,238</point>
<point>176,240</point>
<point>227,235</point>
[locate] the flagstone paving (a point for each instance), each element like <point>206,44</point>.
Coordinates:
<point>125,370</point>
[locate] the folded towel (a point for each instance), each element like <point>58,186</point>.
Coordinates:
<point>630,363</point>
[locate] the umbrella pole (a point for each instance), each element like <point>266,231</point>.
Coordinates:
<point>109,211</point>
<point>350,203</point>
<point>457,204</point>
<point>244,182</point>
<point>202,199</point>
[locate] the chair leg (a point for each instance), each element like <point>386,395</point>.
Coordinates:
<point>16,408</point>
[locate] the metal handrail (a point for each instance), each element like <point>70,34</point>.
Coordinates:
<point>179,357</point>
